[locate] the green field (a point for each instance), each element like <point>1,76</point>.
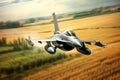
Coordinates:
<point>19,61</point>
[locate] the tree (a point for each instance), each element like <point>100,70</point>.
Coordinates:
<point>9,24</point>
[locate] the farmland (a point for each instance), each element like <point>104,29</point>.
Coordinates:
<point>102,64</point>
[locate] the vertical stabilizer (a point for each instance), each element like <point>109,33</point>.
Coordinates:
<point>55,23</point>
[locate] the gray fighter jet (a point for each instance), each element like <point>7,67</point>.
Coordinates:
<point>65,41</point>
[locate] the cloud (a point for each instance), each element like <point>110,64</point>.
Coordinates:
<point>31,9</point>
<point>20,9</point>
<point>8,2</point>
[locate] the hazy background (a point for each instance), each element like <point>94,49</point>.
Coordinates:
<point>22,9</point>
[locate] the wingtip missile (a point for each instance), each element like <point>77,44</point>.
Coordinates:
<point>29,41</point>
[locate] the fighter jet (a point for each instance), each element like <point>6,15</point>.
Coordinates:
<point>66,41</point>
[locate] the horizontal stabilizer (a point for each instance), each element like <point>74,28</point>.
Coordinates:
<point>88,43</point>
<point>98,43</point>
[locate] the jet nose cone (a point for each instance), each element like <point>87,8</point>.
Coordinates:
<point>78,44</point>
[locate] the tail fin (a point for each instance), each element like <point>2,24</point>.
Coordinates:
<point>55,23</point>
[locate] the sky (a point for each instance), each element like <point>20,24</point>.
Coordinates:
<point>22,9</point>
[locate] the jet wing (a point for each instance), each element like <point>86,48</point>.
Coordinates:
<point>42,40</point>
<point>46,40</point>
<point>96,42</point>
<point>49,39</point>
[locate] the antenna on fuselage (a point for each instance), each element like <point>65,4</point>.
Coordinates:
<point>55,23</point>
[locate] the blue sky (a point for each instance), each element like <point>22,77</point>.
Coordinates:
<point>21,9</point>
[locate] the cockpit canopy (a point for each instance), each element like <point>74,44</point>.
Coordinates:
<point>69,33</point>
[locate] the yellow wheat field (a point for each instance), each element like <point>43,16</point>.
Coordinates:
<point>102,64</point>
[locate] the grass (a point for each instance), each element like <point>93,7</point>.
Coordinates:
<point>20,57</point>
<point>18,64</point>
<point>5,49</point>
<point>18,76</point>
<point>18,61</point>
<point>3,41</point>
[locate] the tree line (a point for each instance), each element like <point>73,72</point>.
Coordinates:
<point>9,24</point>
